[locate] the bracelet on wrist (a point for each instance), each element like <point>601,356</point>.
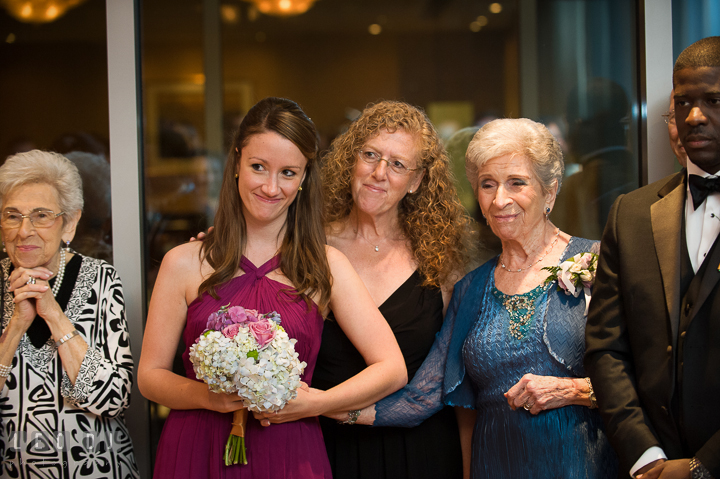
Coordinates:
<point>66,338</point>
<point>352,417</point>
<point>591,395</point>
<point>5,371</point>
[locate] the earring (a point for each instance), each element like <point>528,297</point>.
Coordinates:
<point>67,246</point>
<point>4,249</point>
<point>237,176</point>
<point>547,213</point>
<point>300,188</point>
<point>410,192</point>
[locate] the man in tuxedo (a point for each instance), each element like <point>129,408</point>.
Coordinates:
<point>653,332</point>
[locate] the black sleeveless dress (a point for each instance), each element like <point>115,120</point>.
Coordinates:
<point>430,450</point>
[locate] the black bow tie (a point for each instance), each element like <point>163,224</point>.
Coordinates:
<point>701,187</point>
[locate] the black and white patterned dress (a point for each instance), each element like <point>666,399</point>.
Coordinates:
<point>50,428</point>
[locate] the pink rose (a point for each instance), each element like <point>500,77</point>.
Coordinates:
<point>263,332</point>
<point>231,331</point>
<point>238,314</point>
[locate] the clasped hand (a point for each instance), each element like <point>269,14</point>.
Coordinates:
<point>300,407</point>
<point>662,469</point>
<point>33,299</point>
<point>540,393</point>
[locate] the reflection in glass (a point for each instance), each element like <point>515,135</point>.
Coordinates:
<point>53,92</point>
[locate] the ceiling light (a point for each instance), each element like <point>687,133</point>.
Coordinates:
<point>38,11</point>
<point>283,8</point>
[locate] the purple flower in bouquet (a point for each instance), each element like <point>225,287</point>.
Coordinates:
<point>216,321</point>
<point>263,331</point>
<point>274,316</point>
<point>240,315</point>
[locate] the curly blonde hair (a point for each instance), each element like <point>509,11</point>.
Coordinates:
<point>441,234</point>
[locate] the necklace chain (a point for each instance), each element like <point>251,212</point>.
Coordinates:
<point>60,273</point>
<point>520,270</point>
<point>376,246</point>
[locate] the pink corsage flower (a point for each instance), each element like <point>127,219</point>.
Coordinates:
<point>575,275</point>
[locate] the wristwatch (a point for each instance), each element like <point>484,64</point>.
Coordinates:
<point>698,471</point>
<point>591,395</point>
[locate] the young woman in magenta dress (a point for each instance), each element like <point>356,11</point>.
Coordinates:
<point>267,252</point>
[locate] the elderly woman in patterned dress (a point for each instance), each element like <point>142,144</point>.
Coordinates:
<point>65,362</point>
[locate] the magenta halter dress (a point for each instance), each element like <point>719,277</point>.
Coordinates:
<point>193,441</point>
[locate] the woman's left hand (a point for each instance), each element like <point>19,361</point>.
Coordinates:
<point>300,407</point>
<point>540,393</point>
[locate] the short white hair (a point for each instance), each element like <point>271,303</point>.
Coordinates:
<point>518,136</point>
<point>47,167</point>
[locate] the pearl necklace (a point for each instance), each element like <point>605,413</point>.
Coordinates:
<point>552,245</point>
<point>60,273</point>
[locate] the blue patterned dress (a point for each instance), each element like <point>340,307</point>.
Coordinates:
<point>567,442</point>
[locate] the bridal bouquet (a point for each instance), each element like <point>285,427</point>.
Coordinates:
<point>249,354</point>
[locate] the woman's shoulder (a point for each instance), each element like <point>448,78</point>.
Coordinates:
<point>336,258</point>
<point>478,275</point>
<point>186,257</point>
<point>582,245</point>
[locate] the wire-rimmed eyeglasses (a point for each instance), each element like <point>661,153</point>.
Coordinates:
<point>669,117</point>
<point>396,165</point>
<point>40,218</point>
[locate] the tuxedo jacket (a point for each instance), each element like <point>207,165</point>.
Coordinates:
<point>653,332</point>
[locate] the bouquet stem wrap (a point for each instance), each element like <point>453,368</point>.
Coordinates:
<point>235,448</point>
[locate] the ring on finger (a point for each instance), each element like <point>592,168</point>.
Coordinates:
<point>31,280</point>
<point>527,406</point>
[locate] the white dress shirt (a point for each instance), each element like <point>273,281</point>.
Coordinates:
<point>702,226</point>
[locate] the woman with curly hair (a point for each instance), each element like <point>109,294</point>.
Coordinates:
<point>393,210</point>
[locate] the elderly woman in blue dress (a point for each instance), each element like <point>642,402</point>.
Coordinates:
<point>511,348</point>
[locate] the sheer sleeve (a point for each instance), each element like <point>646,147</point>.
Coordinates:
<point>441,378</point>
<point>105,377</point>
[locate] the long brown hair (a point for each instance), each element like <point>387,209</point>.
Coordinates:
<point>440,233</point>
<point>303,259</point>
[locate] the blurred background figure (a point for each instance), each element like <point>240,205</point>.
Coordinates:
<point>605,167</point>
<point>93,236</point>
<point>456,145</point>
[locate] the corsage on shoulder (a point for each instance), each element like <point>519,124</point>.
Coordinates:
<point>575,275</point>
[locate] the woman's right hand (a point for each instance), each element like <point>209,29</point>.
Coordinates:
<point>201,235</point>
<point>222,402</point>
<point>25,293</point>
